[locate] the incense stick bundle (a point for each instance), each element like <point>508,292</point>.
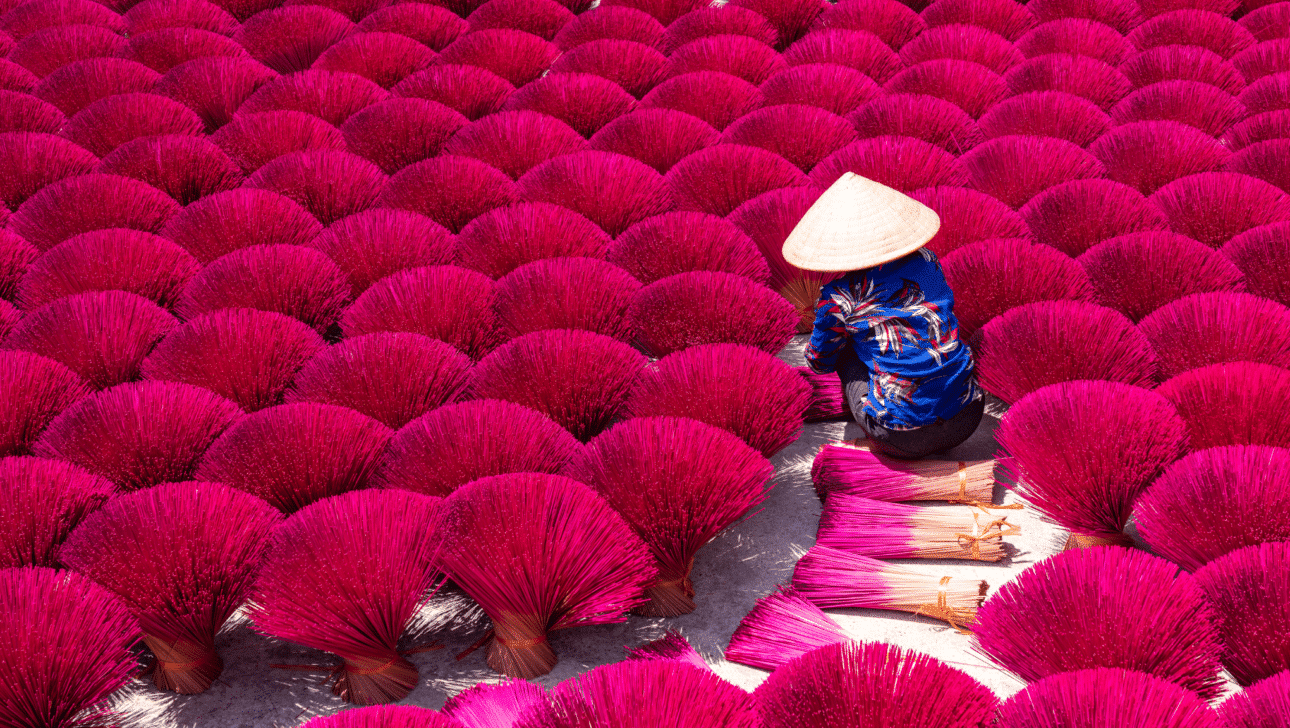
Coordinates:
<point>850,468</point>
<point>783,625</point>
<point>836,579</point>
<point>895,531</point>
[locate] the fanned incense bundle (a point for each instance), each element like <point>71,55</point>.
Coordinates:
<point>1074,216</point>
<point>642,693</point>
<point>827,86</point>
<point>44,500</point>
<point>226,221</point>
<point>679,242</point>
<point>900,162</point>
<point>1079,36</point>
<point>36,390</point>
<point>704,22</point>
<point>182,557</point>
<point>883,530</point>
<point>1061,461</point>
<point>66,644</point>
<point>514,141</point>
<point>501,240</point>
<point>87,202</point>
<point>781,626</point>
<point>1265,704</point>
<point>828,401</point>
<point>671,646</point>
<point>928,118</point>
<point>611,22</point>
<point>382,58</point>
<point>678,483</point>
<point>185,167</point>
<point>970,86</point>
<point>1215,207</point>
<point>1213,328</point>
<point>81,83</point>
<point>450,190</point>
<point>459,443</point>
<point>1260,254</point>
<point>768,219</point>
<point>1047,113</point>
<point>494,705</point>
<point>657,137</point>
<point>611,190</point>
<point>1232,404</point>
<point>1013,169</point>
<point>330,95</point>
<point>139,434</point>
<point>567,293</point>
<point>1122,15</point>
<point>708,307</point>
<point>377,243</point>
<point>1078,75</point>
<point>115,259</point>
<point>514,55</point>
<point>401,131</point>
<point>717,98</point>
<point>45,51</point>
<point>1104,607</point>
<point>965,43</point>
<point>162,50</point>
<point>568,560</point>
<point>1249,588</point>
<point>871,684</point>
<point>1182,63</point>
<point>289,39</point>
<point>1140,272</point>
<point>636,67</point>
<point>33,161</point>
<point>472,91</point>
<point>214,87</point>
<point>346,575</point>
<point>584,101</point>
<point>1200,105</point>
<point>292,455</point>
<point>1106,697</point>
<point>834,579</point>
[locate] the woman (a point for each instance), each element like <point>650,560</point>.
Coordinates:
<point>887,327</point>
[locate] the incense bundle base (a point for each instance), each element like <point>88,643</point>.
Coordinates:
<point>519,648</point>
<point>185,667</point>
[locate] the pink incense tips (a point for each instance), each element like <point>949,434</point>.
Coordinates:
<point>1106,698</point>
<point>671,646</point>
<point>783,625</point>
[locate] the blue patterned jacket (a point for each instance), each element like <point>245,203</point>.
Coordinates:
<point>899,318</point>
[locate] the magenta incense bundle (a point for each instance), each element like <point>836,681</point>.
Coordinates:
<point>45,51</point>
<point>671,646</point>
<point>678,483</point>
<point>781,626</point>
<point>329,95</point>
<point>636,67</point>
<point>472,91</point>
<point>226,221</point>
<point>44,500</point>
<point>768,219</point>
<point>392,378</point>
<point>156,14</point>
<point>965,43</point>
<point>1106,697</point>
<point>444,302</point>
<point>398,132</point>
<point>108,260</point>
<point>139,434</point>
<point>291,280</point>
<point>450,190</point>
<point>514,55</point>
<point>737,388</point>
<point>1060,461</point>
<point>703,22</point>
<point>822,133</point>
<point>1232,404</point>
<point>67,643</point>
<point>928,118</point>
<point>163,49</point>
<point>329,184</point>
<point>584,101</point>
<point>848,468</point>
<point>986,279</point>
<point>1258,252</point>
<point>1215,501</point>
<point>1248,588</point>
<point>1205,107</point>
<point>719,179</point>
<point>102,336</point>
<point>382,58</point>
<point>458,443</point>
<point>900,162</point>
<point>827,399</point>
<point>567,293</point>
<point>657,137</point>
<point>214,87</point>
<point>611,190</point>
<point>1182,63</point>
<point>1074,216</point>
<point>1213,328</point>
<point>894,531</point>
<point>545,371</point>
<point>377,243</point>
<point>186,168</point>
<point>872,684</point>
<point>289,39</point>
<point>1122,15</point>
<point>1215,207</point>
<point>719,308</point>
<point>1047,113</point>
<point>502,240</point>
<point>108,123</point>
<point>1104,607</point>
<point>1013,169</point>
<point>568,560</point>
<point>81,83</point>
<point>38,160</point>
<point>1262,705</point>
<point>79,204</point>
<point>23,112</point>
<point>193,551</point>
<point>385,716</point>
<point>1079,36</point>
<point>494,705</point>
<point>1138,273</point>
<point>836,89</point>
<point>968,216</point>
<point>611,22</point>
<point>242,354</point>
<point>346,575</point>
<point>515,141</point>
<point>969,86</point>
<point>1050,342</point>
<point>1193,27</point>
<point>679,242</point>
<point>834,579</point>
<point>728,97</point>
<point>1079,75</point>
<point>292,455</point>
<point>37,390</point>
<point>640,693</point>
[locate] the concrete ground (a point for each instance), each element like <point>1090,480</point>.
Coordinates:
<point>730,574</point>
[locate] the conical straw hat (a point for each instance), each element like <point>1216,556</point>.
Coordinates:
<point>858,223</point>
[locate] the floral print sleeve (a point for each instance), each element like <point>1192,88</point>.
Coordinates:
<point>830,333</point>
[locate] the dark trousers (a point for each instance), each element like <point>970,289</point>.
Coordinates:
<point>907,444</point>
